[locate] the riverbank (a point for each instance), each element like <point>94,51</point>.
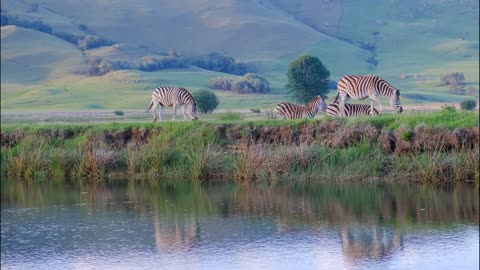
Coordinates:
<point>426,147</point>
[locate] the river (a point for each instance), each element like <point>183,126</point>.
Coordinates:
<point>183,225</point>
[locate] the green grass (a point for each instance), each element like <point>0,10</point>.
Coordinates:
<point>201,150</point>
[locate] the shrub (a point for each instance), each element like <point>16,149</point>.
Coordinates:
<point>92,41</point>
<point>448,108</point>
<point>119,113</point>
<point>152,63</point>
<point>254,110</point>
<point>468,104</point>
<point>249,83</point>
<point>221,63</point>
<point>455,81</point>
<point>206,100</point>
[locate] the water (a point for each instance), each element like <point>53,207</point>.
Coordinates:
<point>188,226</point>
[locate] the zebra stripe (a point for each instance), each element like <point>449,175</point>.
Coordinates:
<point>288,110</point>
<point>371,86</point>
<point>166,96</point>
<point>351,110</point>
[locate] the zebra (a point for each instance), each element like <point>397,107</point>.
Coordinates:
<point>351,110</point>
<point>371,86</point>
<point>173,96</point>
<point>288,110</point>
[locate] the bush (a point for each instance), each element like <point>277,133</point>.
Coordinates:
<point>221,63</point>
<point>152,63</point>
<point>468,104</point>
<point>448,108</point>
<point>455,81</point>
<point>206,100</point>
<point>249,83</point>
<point>119,113</point>
<point>92,41</point>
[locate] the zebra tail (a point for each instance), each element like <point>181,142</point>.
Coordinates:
<point>151,104</point>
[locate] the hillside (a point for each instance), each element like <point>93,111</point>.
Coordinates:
<point>409,43</point>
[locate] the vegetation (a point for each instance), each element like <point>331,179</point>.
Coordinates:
<point>218,62</point>
<point>307,78</point>
<point>455,81</point>
<point>469,104</point>
<point>206,100</point>
<point>433,147</point>
<point>247,84</point>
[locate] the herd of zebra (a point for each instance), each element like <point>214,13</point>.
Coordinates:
<point>349,86</point>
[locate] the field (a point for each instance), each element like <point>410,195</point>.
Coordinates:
<point>409,43</point>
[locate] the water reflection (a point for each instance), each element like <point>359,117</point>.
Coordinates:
<point>360,224</point>
<point>373,242</point>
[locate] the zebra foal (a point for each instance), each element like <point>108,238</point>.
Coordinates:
<point>285,110</point>
<point>361,87</point>
<point>166,96</point>
<point>351,110</point>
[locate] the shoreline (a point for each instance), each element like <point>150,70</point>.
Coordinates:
<point>434,147</point>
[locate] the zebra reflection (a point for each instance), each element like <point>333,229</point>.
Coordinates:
<point>176,232</point>
<point>372,243</point>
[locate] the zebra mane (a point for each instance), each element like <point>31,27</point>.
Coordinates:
<point>387,89</point>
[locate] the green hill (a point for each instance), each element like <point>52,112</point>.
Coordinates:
<point>409,43</point>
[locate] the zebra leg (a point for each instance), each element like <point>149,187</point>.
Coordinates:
<point>184,113</point>
<point>343,99</point>
<point>154,112</point>
<point>174,112</point>
<point>160,112</point>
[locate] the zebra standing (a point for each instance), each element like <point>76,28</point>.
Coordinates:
<point>288,110</point>
<point>173,96</point>
<point>361,87</point>
<point>351,110</point>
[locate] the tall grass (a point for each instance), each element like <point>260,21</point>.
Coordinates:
<point>27,159</point>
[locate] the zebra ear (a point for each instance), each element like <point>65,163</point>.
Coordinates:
<point>398,92</point>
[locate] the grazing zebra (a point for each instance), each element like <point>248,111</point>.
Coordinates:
<point>351,110</point>
<point>173,96</point>
<point>288,110</point>
<point>361,87</point>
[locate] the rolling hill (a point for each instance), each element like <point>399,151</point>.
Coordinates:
<point>409,43</point>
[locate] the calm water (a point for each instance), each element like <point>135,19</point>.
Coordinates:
<point>186,226</point>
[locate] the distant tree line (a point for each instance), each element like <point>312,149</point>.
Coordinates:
<point>248,83</point>
<point>97,66</point>
<point>83,42</point>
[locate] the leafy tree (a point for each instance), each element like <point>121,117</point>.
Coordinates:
<point>206,100</point>
<point>307,78</point>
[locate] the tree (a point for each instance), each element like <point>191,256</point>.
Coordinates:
<point>307,78</point>
<point>206,100</point>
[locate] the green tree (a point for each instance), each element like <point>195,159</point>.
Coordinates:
<point>307,78</point>
<point>206,100</point>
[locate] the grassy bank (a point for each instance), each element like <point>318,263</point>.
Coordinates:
<point>428,147</point>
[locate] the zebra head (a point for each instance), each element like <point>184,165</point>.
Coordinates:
<point>320,103</point>
<point>192,110</point>
<point>395,101</point>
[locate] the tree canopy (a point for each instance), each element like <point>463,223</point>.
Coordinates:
<point>307,78</point>
<point>206,100</point>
